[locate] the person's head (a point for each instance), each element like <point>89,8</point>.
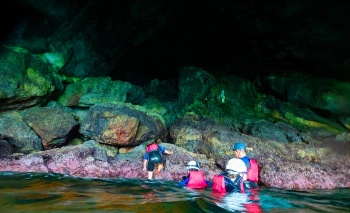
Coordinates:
<point>236,167</point>
<point>193,165</point>
<point>239,149</point>
<point>157,141</point>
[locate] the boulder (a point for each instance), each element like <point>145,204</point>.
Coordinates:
<point>52,125</point>
<point>122,124</point>
<point>18,135</point>
<point>28,80</point>
<point>90,91</point>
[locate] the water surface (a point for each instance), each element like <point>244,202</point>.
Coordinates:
<point>42,192</point>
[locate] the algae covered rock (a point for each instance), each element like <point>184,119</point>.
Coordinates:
<point>27,80</point>
<point>91,91</point>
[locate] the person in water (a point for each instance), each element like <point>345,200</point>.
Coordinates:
<point>195,177</point>
<point>231,180</point>
<point>153,159</point>
<point>251,176</point>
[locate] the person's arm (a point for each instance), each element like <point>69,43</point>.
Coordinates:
<point>168,152</point>
<point>184,182</point>
<point>163,150</point>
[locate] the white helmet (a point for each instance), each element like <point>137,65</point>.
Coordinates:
<point>236,165</point>
<point>192,165</point>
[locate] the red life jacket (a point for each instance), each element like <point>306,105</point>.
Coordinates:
<point>152,146</point>
<point>219,184</point>
<point>253,171</point>
<point>196,180</point>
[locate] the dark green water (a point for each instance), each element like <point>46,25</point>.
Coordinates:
<point>33,192</point>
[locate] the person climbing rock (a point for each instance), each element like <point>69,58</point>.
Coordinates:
<point>153,160</point>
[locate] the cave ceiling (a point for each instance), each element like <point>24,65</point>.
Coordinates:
<point>157,38</point>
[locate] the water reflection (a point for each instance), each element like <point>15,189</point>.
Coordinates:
<point>35,192</point>
<point>238,202</point>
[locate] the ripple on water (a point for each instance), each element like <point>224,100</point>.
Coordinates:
<point>49,192</point>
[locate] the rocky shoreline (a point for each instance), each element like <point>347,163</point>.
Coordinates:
<point>89,161</point>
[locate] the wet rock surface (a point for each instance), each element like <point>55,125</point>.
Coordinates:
<point>292,166</point>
